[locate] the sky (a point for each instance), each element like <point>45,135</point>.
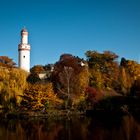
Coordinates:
<point>70,26</point>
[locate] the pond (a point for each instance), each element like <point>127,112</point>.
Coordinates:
<point>74,128</point>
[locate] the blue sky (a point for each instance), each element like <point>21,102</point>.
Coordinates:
<point>70,26</point>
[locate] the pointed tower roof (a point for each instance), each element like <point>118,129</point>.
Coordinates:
<point>24,30</point>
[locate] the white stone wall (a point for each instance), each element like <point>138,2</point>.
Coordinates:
<point>24,60</point>
<point>24,38</point>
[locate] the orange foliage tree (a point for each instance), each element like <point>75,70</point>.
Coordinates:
<point>70,77</point>
<point>39,96</point>
<point>5,61</point>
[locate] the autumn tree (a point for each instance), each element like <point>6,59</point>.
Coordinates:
<point>70,77</point>
<point>37,69</point>
<point>124,81</point>
<point>68,81</point>
<point>5,61</point>
<point>103,69</point>
<point>33,78</point>
<point>135,89</point>
<point>130,72</point>
<point>133,68</point>
<point>12,85</point>
<point>39,96</point>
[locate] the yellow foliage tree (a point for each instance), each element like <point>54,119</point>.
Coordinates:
<point>125,81</point>
<point>12,85</point>
<point>103,69</point>
<point>39,96</point>
<point>130,72</point>
<point>133,68</point>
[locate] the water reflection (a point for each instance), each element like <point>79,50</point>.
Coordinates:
<point>125,128</point>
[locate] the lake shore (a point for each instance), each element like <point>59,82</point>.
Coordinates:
<point>39,114</point>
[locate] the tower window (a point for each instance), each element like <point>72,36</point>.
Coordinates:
<point>24,56</point>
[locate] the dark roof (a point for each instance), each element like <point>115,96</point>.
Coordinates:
<point>24,30</point>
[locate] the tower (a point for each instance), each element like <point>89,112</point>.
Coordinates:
<point>24,51</point>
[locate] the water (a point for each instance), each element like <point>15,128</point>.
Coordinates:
<point>97,128</point>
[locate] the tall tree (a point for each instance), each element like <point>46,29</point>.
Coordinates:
<point>70,76</point>
<point>67,80</point>
<point>125,81</point>
<point>130,72</point>
<point>104,69</point>
<point>12,85</point>
<point>133,69</point>
<point>135,89</point>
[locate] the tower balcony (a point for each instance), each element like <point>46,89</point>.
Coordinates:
<point>24,47</point>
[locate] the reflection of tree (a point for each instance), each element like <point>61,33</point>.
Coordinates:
<point>73,129</point>
<point>42,130</point>
<point>124,129</point>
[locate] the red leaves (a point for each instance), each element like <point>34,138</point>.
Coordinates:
<point>91,94</point>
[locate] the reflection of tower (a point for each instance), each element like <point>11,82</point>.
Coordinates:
<point>24,51</point>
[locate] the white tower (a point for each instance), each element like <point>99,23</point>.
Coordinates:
<point>24,51</point>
